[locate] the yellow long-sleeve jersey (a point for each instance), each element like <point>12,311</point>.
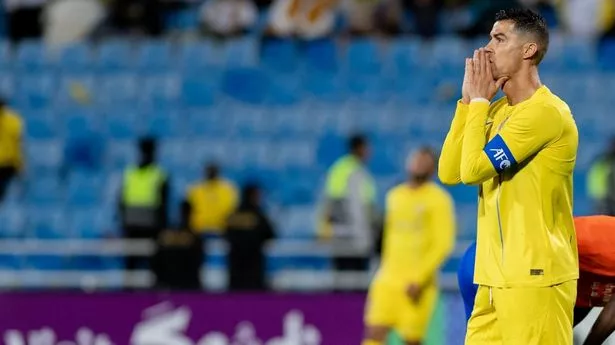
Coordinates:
<point>523,157</point>
<point>419,234</point>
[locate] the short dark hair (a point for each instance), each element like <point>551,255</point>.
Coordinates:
<point>428,150</point>
<point>147,145</point>
<point>356,142</point>
<point>530,22</point>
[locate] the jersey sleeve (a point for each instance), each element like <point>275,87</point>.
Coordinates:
<point>521,136</point>
<point>450,157</point>
<point>442,238</point>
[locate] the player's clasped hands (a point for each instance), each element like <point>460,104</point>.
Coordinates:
<point>478,81</point>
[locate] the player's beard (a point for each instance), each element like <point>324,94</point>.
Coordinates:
<point>420,178</point>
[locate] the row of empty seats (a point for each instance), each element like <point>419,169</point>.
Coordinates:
<point>361,56</point>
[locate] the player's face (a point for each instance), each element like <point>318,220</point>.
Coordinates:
<point>421,165</point>
<point>505,49</point>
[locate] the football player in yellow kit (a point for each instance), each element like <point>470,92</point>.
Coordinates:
<point>521,151</point>
<point>419,235</point>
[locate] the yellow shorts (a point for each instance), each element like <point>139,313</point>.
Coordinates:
<point>528,316</point>
<point>388,305</point>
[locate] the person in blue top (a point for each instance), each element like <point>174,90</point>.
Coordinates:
<point>465,278</point>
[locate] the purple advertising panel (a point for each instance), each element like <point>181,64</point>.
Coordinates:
<point>180,319</point>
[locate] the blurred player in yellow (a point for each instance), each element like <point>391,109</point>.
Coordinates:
<point>521,151</point>
<point>419,235</point>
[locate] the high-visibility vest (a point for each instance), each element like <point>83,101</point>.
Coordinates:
<point>141,187</point>
<point>339,175</point>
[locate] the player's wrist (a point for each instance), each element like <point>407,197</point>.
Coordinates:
<point>480,100</point>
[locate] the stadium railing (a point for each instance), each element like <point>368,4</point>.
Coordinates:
<point>214,277</point>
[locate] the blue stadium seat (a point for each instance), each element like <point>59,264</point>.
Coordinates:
<point>6,56</point>
<point>246,84</point>
<point>11,262</point>
<point>120,154</point>
<point>449,53</point>
<point>280,55</point>
<point>323,87</point>
<point>44,191</point>
<point>606,54</point>
<point>118,89</point>
<point>163,123</point>
<point>40,124</point>
<point>300,186</point>
<point>248,122</point>
<point>175,156</point>
<point>240,52</point>
<point>84,189</point>
<point>208,122</point>
<point>197,93</point>
<point>363,57</point>
<point>404,56</point>
<point>578,55</point>
<point>7,84</point>
<point>12,221</point>
<point>114,56</point>
<point>299,222</point>
<point>76,58</point>
<point>122,123</point>
<point>44,155</point>
<point>295,154</point>
<point>210,149</point>
<point>368,88</point>
<point>321,55</point>
<point>47,224</point>
<point>160,91</point>
<point>196,58</point>
<point>91,223</point>
<point>36,90</point>
<point>155,56</point>
<point>79,123</point>
<point>32,56</point>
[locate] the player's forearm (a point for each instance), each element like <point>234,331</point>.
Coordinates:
<point>603,327</point>
<point>450,157</point>
<point>475,166</point>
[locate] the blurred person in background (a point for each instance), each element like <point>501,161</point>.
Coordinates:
<point>209,202</point>
<point>62,26</point>
<point>305,19</point>
<point>143,205</point>
<point>24,18</point>
<point>178,259</point>
<point>601,182</point>
<point>426,16</point>
<point>366,17</point>
<point>11,155</point>
<point>228,18</point>
<point>247,231</point>
<point>349,212</point>
<point>419,236</point>
<point>484,12</point>
<point>137,16</point>
<point>586,18</point>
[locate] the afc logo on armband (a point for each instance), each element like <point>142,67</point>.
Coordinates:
<point>500,156</point>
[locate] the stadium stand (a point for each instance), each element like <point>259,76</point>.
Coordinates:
<point>239,103</point>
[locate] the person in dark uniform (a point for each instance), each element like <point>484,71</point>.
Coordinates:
<point>248,229</point>
<point>178,259</point>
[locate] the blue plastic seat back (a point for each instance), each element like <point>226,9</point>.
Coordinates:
<point>115,56</point>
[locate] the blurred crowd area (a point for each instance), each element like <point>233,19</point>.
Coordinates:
<point>58,23</point>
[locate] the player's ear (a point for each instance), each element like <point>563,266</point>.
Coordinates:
<point>530,49</point>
